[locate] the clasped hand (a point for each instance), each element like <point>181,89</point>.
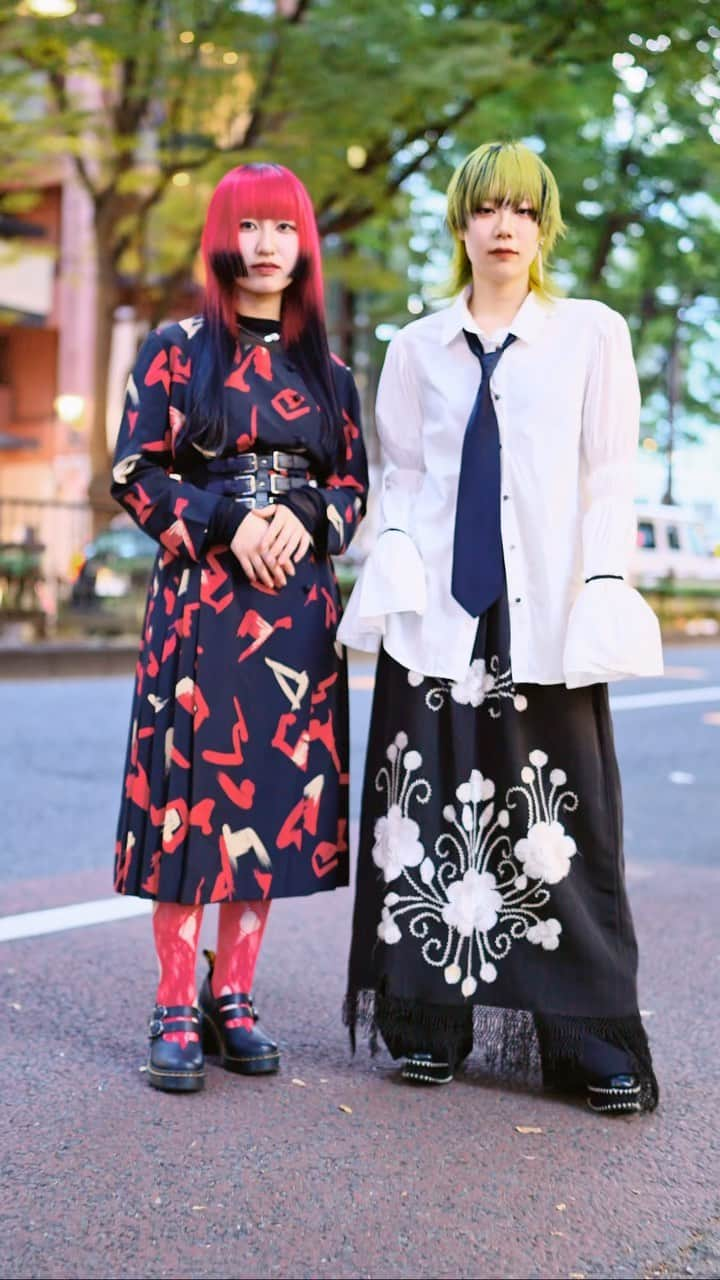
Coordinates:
<point>268,544</point>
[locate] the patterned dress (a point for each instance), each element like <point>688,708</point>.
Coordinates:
<point>236,779</point>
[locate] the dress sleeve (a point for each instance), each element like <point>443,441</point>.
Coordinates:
<point>183,518</point>
<point>392,580</point>
<point>612,632</point>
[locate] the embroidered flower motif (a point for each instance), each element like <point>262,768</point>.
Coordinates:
<point>546,933</point>
<point>473,903</point>
<point>473,687</point>
<point>546,852</point>
<point>396,843</point>
<point>482,684</point>
<point>480,891</point>
<point>387,929</point>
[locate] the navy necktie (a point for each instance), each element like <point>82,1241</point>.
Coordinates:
<point>478,573</point>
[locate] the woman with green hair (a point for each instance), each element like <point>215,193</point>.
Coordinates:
<point>491,904</point>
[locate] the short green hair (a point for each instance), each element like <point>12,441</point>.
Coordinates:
<point>503,173</point>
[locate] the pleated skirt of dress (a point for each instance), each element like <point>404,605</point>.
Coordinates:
<point>490,904</point>
<point>236,776</point>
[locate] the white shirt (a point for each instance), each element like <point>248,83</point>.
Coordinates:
<point>567,403</point>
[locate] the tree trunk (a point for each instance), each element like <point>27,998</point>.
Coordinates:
<point>106,301</point>
<point>673,397</point>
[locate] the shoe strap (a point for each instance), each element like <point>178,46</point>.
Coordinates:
<point>185,1017</point>
<point>234,1003</point>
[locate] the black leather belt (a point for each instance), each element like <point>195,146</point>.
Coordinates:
<point>253,479</point>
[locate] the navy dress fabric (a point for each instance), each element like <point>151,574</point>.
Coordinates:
<point>236,779</point>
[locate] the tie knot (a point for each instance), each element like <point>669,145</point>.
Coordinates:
<point>488,359</point>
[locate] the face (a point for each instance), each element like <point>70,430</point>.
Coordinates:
<point>269,249</point>
<point>501,241</point>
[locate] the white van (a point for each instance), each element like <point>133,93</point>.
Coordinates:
<point>673,544</point>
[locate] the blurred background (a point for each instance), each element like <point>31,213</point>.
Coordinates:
<point>117,119</point>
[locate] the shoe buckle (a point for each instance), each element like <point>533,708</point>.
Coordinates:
<point>156,1026</point>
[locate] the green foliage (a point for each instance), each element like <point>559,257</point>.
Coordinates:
<point>621,96</point>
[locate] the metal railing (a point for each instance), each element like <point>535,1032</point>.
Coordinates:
<point>41,546</point>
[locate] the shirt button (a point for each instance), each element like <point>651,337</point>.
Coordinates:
<point>506,497</point>
<point>518,599</point>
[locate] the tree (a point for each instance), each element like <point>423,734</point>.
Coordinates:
<point>155,100</point>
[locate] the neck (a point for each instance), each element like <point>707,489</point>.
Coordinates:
<point>259,306</point>
<point>494,305</point>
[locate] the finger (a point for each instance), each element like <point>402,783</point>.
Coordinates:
<point>246,566</point>
<point>303,548</point>
<point>276,531</point>
<point>262,571</point>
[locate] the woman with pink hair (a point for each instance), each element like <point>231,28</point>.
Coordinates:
<point>240,451</point>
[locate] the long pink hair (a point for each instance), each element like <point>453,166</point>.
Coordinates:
<point>261,191</point>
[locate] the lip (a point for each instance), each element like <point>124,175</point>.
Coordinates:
<point>265,268</point>
<point>503,253</point>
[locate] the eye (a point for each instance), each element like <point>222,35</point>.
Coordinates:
<point>483,209</point>
<point>247,224</point>
<point>286,225</point>
<point>527,211</point>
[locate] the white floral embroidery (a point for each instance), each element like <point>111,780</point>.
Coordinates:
<point>479,892</point>
<point>478,686</point>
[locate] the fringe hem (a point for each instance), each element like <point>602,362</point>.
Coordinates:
<point>513,1043</point>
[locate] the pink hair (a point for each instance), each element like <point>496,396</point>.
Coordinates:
<point>261,191</point>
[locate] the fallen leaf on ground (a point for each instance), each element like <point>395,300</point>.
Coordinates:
<point>142,1068</point>
<point>347,1110</point>
<point>559,1233</point>
<point>198,1207</point>
<point>528,1128</point>
<point>14,1005</point>
<point>561,1208</point>
<point>301,1083</point>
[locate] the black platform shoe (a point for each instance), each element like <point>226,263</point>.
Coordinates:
<point>250,1053</point>
<point>423,1068</point>
<point>614,1095</point>
<point>170,1066</point>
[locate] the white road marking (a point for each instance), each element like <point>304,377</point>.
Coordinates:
<point>31,924</point>
<point>664,698</point>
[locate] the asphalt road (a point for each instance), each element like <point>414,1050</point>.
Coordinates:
<point>103,1177</point>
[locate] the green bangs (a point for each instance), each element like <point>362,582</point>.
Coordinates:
<point>503,173</point>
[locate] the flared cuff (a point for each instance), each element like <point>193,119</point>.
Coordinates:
<point>392,580</point>
<point>612,634</point>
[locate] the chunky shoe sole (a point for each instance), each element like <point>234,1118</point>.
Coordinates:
<point>254,1065</point>
<point>614,1100</point>
<point>426,1071</point>
<point>176,1081</point>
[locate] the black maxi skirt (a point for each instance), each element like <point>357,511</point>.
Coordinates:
<point>491,904</point>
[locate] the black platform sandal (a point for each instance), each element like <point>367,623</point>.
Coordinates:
<point>615,1095</point>
<point>170,1066</point>
<point>246,1052</point>
<point>423,1068</point>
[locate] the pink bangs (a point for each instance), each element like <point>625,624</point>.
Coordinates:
<point>261,191</point>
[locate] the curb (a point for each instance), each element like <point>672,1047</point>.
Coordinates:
<point>45,660</point>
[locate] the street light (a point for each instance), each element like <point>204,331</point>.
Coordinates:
<point>52,8</point>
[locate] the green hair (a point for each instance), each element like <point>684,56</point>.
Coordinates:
<point>503,173</point>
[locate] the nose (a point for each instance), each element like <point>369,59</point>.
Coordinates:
<point>266,239</point>
<point>503,225</point>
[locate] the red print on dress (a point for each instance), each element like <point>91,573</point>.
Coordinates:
<point>140,503</point>
<point>238,736</point>
<point>247,439</point>
<point>211,580</point>
<point>290,404</point>
<point>258,358</point>
<point>351,432</point>
<point>180,369</point>
<point>159,371</point>
<point>253,624</point>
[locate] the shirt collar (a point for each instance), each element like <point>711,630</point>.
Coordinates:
<point>526,325</point>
